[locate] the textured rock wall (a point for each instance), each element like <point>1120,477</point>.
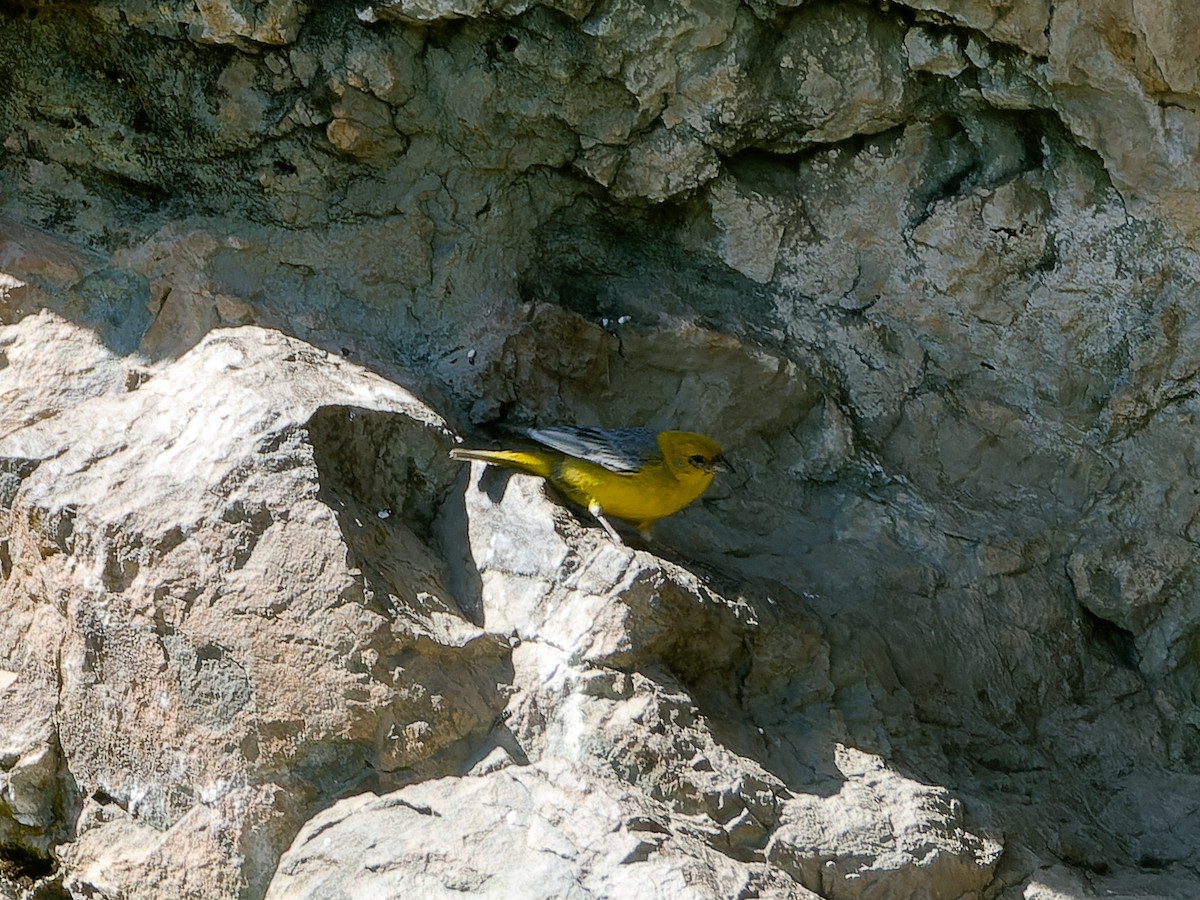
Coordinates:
<point>928,271</point>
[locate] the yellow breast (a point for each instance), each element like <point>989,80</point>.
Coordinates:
<point>640,497</point>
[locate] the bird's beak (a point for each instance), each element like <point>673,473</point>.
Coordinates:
<point>721,464</point>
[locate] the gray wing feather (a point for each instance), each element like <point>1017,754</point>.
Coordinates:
<point>616,449</point>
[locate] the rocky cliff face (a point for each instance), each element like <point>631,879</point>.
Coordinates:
<point>928,271</point>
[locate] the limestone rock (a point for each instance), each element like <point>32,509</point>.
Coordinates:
<point>666,163</point>
<point>621,785</point>
<point>522,832</point>
<point>928,271</point>
<point>754,228</point>
<point>831,847</point>
<point>223,21</point>
<point>1089,64</point>
<point>1024,24</point>
<point>419,11</point>
<point>362,126</point>
<point>930,51</point>
<point>813,94</point>
<point>182,567</point>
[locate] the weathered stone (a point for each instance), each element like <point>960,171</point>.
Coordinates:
<point>221,21</point>
<point>809,90</point>
<point>837,848</point>
<point>1149,148</point>
<point>753,228</point>
<point>423,10</point>
<point>668,162</point>
<point>362,126</point>
<point>526,831</point>
<point>930,51</point>
<point>177,698</point>
<point>927,271</point>
<point>1024,24</point>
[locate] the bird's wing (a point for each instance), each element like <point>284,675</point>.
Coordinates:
<point>616,449</point>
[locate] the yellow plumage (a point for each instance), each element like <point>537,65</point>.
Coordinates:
<point>631,474</point>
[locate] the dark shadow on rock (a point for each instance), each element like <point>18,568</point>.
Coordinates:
<point>385,476</point>
<point>761,678</point>
<point>494,482</point>
<point>115,303</point>
<point>388,477</point>
<point>27,855</point>
<point>451,539</point>
<point>500,745</point>
<point>1109,641</point>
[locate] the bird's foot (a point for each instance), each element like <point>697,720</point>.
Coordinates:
<point>596,510</point>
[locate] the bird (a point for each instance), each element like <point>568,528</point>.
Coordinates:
<point>636,475</point>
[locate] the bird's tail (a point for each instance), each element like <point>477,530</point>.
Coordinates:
<point>534,462</point>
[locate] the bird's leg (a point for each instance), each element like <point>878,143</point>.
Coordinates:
<point>598,511</point>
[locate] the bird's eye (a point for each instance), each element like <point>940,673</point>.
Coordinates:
<point>698,461</point>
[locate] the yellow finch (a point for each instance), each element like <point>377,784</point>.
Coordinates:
<point>632,474</point>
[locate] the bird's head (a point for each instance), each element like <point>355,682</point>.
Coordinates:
<point>692,455</point>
